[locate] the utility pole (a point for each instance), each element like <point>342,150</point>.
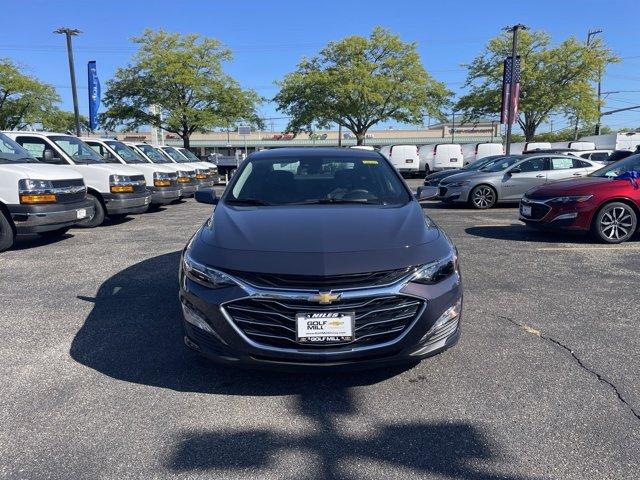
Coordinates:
<point>512,81</point>
<point>453,125</point>
<point>590,35</point>
<point>70,32</point>
<point>339,135</point>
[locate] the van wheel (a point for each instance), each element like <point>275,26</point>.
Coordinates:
<point>7,234</point>
<point>54,233</point>
<point>483,197</point>
<point>616,222</point>
<point>98,215</point>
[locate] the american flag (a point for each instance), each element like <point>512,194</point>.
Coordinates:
<point>506,83</point>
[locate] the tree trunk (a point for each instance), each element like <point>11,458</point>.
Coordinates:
<point>185,140</point>
<point>360,137</point>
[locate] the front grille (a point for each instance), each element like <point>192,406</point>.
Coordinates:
<point>273,321</point>
<point>69,197</point>
<point>538,210</point>
<point>319,282</point>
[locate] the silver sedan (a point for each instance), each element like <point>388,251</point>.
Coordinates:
<point>507,179</point>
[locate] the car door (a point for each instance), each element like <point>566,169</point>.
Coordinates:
<point>524,176</point>
<point>563,168</point>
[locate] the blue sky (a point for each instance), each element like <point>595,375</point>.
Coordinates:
<point>269,38</point>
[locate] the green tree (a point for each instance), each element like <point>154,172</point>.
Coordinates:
<point>554,79</point>
<point>358,82</point>
<point>56,120</point>
<point>23,99</point>
<point>176,82</point>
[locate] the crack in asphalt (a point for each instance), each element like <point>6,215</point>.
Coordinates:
<point>577,359</point>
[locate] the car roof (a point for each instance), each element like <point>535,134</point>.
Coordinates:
<point>302,152</point>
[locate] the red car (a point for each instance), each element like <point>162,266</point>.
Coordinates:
<point>605,203</point>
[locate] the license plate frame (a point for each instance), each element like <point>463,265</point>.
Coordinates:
<point>317,328</point>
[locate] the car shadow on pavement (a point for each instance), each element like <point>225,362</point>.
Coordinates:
<point>522,233</point>
<point>134,333</point>
<point>454,449</point>
<point>24,242</point>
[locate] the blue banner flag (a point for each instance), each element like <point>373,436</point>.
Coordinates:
<point>94,95</point>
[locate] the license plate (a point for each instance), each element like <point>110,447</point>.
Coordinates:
<point>81,213</point>
<point>325,327</point>
<point>525,210</point>
<point>409,160</point>
<point>453,160</point>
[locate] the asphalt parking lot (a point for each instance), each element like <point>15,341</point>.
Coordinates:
<point>544,383</point>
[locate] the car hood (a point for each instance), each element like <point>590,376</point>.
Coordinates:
<point>444,174</point>
<point>585,185</point>
<point>468,176</point>
<point>318,239</point>
<point>41,171</point>
<point>110,168</point>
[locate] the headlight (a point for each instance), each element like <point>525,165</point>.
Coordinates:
<point>202,174</point>
<point>435,272</point>
<point>569,199</point>
<point>457,184</point>
<point>161,179</point>
<point>36,191</point>
<point>121,184</point>
<point>203,275</point>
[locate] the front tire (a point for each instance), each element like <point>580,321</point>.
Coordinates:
<point>616,222</point>
<point>7,234</point>
<point>483,197</point>
<point>98,215</point>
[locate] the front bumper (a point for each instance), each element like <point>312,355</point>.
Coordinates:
<point>43,218</point>
<point>229,344</point>
<point>188,189</point>
<point>205,184</point>
<point>164,195</point>
<point>132,203</point>
<point>453,194</point>
<point>572,217</point>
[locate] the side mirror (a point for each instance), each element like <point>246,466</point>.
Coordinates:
<point>108,156</point>
<point>206,195</point>
<point>48,156</point>
<point>515,170</point>
<point>426,193</point>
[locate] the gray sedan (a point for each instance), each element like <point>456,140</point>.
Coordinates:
<point>509,178</point>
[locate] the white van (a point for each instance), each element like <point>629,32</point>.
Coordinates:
<point>405,158</point>
<point>478,151</point>
<point>447,156</point>
<point>37,198</point>
<point>519,147</point>
<point>161,181</point>
<point>115,190</point>
<point>363,147</point>
<point>186,174</point>
<point>615,141</point>
<point>189,155</point>
<point>575,145</point>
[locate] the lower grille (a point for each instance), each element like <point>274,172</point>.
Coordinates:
<point>273,322</point>
<point>538,210</point>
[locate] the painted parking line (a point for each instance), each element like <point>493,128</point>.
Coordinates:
<point>586,249</point>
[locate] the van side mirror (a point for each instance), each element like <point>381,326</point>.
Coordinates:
<point>49,156</point>
<point>206,195</point>
<point>426,193</point>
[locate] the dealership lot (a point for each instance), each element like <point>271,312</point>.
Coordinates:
<point>96,383</point>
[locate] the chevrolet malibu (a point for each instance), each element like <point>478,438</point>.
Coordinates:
<point>319,257</point>
<point>606,203</point>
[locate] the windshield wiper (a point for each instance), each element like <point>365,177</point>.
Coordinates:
<point>325,201</point>
<point>248,201</point>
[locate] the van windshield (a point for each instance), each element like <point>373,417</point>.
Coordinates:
<point>11,152</point>
<point>190,155</point>
<point>76,149</point>
<point>154,155</point>
<point>175,155</point>
<point>308,180</point>
<point>127,154</point>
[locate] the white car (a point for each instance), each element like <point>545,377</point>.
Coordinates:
<point>37,198</point>
<point>161,181</point>
<point>595,155</point>
<point>186,174</point>
<point>116,190</point>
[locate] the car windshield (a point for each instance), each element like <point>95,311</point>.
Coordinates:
<point>629,164</point>
<point>128,155</point>
<point>309,180</point>
<point>501,164</point>
<point>175,155</point>
<point>154,155</point>
<point>78,151</point>
<point>11,152</point>
<point>190,155</point>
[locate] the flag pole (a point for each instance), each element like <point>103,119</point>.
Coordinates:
<point>512,82</point>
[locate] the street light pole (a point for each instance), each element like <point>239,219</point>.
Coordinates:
<point>590,35</point>
<point>70,32</point>
<point>512,81</point>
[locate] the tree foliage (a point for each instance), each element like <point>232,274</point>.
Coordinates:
<point>554,79</point>
<point>23,99</point>
<point>358,82</point>
<point>56,120</point>
<point>177,83</point>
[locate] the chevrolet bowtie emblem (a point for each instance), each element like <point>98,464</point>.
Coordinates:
<point>326,298</point>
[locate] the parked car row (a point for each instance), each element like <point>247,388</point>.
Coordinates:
<point>50,182</point>
<point>554,191</point>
